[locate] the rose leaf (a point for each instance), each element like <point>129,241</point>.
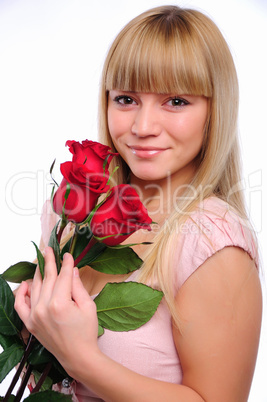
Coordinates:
<point>19,272</point>
<point>40,259</point>
<point>53,242</point>
<point>9,359</point>
<point>126,306</point>
<point>117,261</point>
<point>93,254</point>
<point>6,341</point>
<point>10,323</point>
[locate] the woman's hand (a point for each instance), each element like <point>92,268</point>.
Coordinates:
<point>58,310</point>
<point>24,332</point>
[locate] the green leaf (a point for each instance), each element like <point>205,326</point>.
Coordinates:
<point>19,272</point>
<point>117,261</point>
<point>47,384</point>
<point>40,259</point>
<point>7,340</point>
<point>100,330</point>
<point>55,245</point>
<point>57,372</point>
<point>93,254</point>
<point>39,355</point>
<point>52,197</point>
<point>118,246</point>
<point>48,395</point>
<point>105,164</point>
<point>112,173</point>
<point>9,359</point>
<point>126,306</point>
<point>10,399</point>
<point>10,323</point>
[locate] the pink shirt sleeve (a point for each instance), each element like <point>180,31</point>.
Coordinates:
<point>209,229</point>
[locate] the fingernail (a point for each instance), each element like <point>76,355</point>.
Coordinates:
<point>75,272</point>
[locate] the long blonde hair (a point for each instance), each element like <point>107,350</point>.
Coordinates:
<point>173,50</point>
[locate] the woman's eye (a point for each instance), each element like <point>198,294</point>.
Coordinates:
<point>177,102</point>
<point>124,100</point>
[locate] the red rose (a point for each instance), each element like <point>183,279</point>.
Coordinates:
<point>86,177</point>
<point>120,215</point>
<point>80,202</point>
<point>89,154</point>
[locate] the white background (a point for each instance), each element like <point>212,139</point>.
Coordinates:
<point>51,54</point>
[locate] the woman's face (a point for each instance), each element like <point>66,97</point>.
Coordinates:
<point>157,135</point>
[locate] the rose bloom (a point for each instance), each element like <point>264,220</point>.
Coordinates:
<point>87,178</point>
<point>90,154</point>
<point>120,215</point>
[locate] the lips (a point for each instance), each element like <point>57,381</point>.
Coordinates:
<point>146,152</point>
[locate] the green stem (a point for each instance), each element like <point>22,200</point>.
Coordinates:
<point>74,240</point>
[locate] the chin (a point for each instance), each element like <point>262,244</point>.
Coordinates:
<point>149,176</point>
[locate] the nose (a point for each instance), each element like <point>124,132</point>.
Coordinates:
<point>146,121</point>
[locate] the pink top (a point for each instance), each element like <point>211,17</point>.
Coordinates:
<point>150,350</point>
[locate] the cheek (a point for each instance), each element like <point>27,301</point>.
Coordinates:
<point>195,128</point>
<point>189,137</point>
<point>115,126</point>
<point>196,138</point>
<point>196,122</point>
<point>118,125</point>
<point>111,123</point>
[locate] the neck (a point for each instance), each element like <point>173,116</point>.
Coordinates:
<point>160,196</point>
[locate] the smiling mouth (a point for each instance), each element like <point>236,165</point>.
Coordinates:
<point>146,152</point>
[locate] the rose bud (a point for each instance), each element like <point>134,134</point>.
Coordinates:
<point>119,216</point>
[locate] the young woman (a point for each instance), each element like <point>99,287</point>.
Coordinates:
<point>169,105</point>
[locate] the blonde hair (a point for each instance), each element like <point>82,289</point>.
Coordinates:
<point>173,50</point>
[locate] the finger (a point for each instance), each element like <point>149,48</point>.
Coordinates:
<point>63,284</point>
<point>21,305</point>
<point>29,282</point>
<point>35,287</point>
<point>50,270</point>
<point>84,303</point>
<point>50,276</point>
<point>79,293</point>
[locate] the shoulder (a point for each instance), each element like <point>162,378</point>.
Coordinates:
<point>220,317</point>
<point>211,227</point>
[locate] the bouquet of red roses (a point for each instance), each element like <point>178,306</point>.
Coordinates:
<point>103,217</point>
